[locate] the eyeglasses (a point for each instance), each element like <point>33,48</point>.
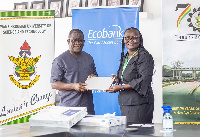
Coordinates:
<point>77,40</point>
<point>131,37</point>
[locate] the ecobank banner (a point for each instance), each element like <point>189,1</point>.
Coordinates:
<point>181,59</point>
<point>26,54</point>
<point>103,30</point>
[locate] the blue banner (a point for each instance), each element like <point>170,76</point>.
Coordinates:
<point>103,30</point>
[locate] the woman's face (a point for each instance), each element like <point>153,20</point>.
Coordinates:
<point>132,39</point>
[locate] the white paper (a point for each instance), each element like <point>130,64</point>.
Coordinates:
<point>147,125</point>
<point>136,125</point>
<point>142,125</point>
<point>99,83</point>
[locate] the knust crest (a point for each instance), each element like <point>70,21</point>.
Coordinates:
<point>24,68</point>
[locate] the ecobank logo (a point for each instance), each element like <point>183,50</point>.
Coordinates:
<point>109,35</point>
<point>24,68</point>
<point>193,20</point>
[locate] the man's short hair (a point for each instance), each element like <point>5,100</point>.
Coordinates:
<point>75,30</point>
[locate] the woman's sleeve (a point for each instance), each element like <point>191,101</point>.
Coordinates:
<point>145,66</point>
<point>120,65</point>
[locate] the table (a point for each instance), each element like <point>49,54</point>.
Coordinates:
<point>24,130</point>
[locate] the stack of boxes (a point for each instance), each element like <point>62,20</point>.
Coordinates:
<point>101,120</point>
<point>58,116</point>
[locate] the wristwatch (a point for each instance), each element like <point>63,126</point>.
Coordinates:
<point>122,88</point>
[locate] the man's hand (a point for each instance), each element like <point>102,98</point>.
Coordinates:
<point>79,87</point>
<point>92,75</point>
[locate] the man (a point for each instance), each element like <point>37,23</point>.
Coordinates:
<point>55,6</point>
<point>134,2</point>
<point>72,4</point>
<point>69,72</point>
<point>93,3</point>
<point>113,3</point>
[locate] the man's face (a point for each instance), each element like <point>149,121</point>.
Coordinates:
<point>74,4</point>
<point>20,7</point>
<point>134,2</point>
<point>76,42</point>
<point>55,6</point>
<point>94,3</point>
<point>114,2</point>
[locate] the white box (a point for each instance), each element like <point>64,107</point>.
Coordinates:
<point>100,120</point>
<point>58,116</point>
<point>122,120</point>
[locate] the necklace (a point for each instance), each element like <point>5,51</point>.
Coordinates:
<point>126,63</point>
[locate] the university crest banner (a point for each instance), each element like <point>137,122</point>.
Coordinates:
<point>103,30</point>
<point>181,68</point>
<point>26,54</point>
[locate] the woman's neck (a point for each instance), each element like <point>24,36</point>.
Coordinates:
<point>131,52</point>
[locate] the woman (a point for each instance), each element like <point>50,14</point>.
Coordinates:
<point>135,73</point>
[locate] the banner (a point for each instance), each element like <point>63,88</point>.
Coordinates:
<point>181,68</point>
<point>103,30</point>
<point>26,54</point>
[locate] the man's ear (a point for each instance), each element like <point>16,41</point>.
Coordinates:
<point>68,41</point>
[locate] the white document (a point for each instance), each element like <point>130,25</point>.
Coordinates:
<point>99,83</point>
<point>142,125</point>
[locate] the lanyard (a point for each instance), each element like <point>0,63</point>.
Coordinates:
<point>126,63</point>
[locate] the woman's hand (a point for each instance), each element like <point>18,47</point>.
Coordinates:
<point>114,89</point>
<point>115,79</point>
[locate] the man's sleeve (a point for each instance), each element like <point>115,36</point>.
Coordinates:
<point>94,69</point>
<point>56,71</point>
